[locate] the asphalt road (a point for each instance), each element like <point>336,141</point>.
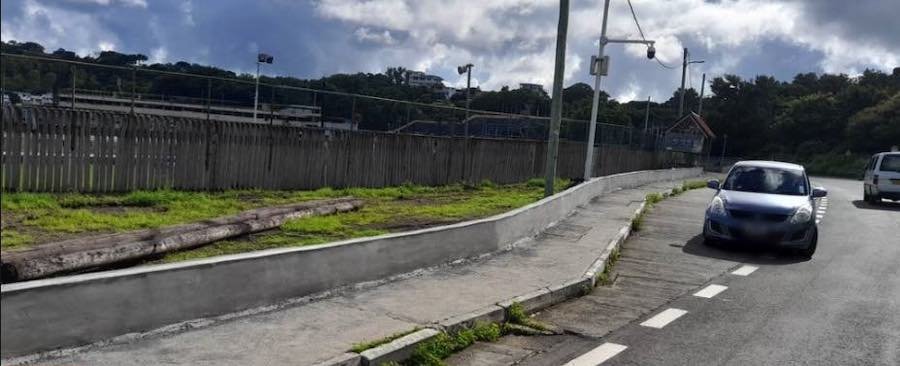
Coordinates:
<point>842,307</point>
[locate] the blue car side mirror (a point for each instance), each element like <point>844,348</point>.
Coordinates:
<point>713,183</point>
<point>819,192</point>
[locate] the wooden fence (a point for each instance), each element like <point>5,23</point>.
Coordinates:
<point>54,150</point>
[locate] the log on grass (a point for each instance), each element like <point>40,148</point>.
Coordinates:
<point>85,253</point>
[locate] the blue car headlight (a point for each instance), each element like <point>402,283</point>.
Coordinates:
<point>802,215</point>
<point>717,206</point>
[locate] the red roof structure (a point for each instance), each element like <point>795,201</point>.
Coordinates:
<point>696,120</point>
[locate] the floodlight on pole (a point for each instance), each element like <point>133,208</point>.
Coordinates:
<point>261,58</point>
<point>466,69</point>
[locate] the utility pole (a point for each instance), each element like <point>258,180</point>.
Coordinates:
<point>724,145</point>
<point>599,67</point>
<point>647,115</point>
<point>684,65</point>
<point>556,102</point>
<point>702,88</point>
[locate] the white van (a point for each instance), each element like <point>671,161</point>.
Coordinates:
<point>882,179</point>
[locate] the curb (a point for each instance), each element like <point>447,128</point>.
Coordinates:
<point>396,350</point>
<point>346,359</point>
<point>487,314</point>
<point>599,264</point>
<point>534,301</point>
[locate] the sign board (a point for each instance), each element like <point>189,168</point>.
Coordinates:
<point>599,65</point>
<point>684,142</point>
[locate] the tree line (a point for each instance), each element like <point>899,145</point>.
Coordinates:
<point>809,116</point>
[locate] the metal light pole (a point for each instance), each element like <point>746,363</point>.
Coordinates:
<point>260,59</point>
<point>595,102</point>
<point>556,102</point>
<point>684,65</point>
<point>599,67</point>
<point>467,68</point>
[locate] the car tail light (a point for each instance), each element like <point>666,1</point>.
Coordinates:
<point>875,179</point>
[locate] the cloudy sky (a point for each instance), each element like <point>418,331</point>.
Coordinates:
<point>509,41</point>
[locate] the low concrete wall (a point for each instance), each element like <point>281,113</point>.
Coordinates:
<point>76,310</point>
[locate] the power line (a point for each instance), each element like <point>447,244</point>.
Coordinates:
<point>641,31</point>
<point>662,64</point>
<point>633,15</point>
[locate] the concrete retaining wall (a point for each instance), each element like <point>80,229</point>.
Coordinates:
<point>70,311</point>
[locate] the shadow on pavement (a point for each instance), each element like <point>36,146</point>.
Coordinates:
<point>739,252</point>
<point>883,205</point>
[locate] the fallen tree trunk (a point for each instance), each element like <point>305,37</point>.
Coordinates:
<point>84,253</point>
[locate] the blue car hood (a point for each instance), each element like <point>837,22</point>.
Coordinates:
<point>762,202</point>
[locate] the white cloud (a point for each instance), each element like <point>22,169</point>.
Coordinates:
<point>509,41</point>
<point>365,35</point>
<point>512,41</point>
<point>106,46</point>
<point>134,3</point>
<point>57,28</point>
<point>158,55</point>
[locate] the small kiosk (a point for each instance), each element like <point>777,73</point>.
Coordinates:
<point>688,136</point>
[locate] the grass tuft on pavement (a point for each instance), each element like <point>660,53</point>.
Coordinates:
<point>433,351</point>
<point>360,347</point>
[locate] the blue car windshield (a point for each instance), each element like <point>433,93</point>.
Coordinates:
<point>766,180</point>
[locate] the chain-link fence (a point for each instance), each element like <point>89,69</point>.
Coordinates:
<point>168,98</point>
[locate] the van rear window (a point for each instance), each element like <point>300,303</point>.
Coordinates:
<point>890,163</point>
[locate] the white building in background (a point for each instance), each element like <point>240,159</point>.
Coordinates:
<point>532,87</point>
<point>418,78</point>
<point>447,92</point>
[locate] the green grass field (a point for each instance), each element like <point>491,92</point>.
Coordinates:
<point>33,218</point>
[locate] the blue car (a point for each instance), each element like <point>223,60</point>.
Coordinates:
<point>764,202</point>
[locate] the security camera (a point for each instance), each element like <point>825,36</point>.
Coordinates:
<point>651,52</point>
<point>461,69</point>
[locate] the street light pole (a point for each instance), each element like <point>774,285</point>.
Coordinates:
<point>600,66</point>
<point>556,101</point>
<point>595,103</point>
<point>467,68</point>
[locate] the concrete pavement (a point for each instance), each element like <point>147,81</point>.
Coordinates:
<point>759,307</point>
<point>320,330</point>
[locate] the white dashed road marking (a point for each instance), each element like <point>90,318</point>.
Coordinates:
<point>823,207</point>
<point>744,270</point>
<point>710,291</point>
<point>664,318</point>
<point>597,355</point>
